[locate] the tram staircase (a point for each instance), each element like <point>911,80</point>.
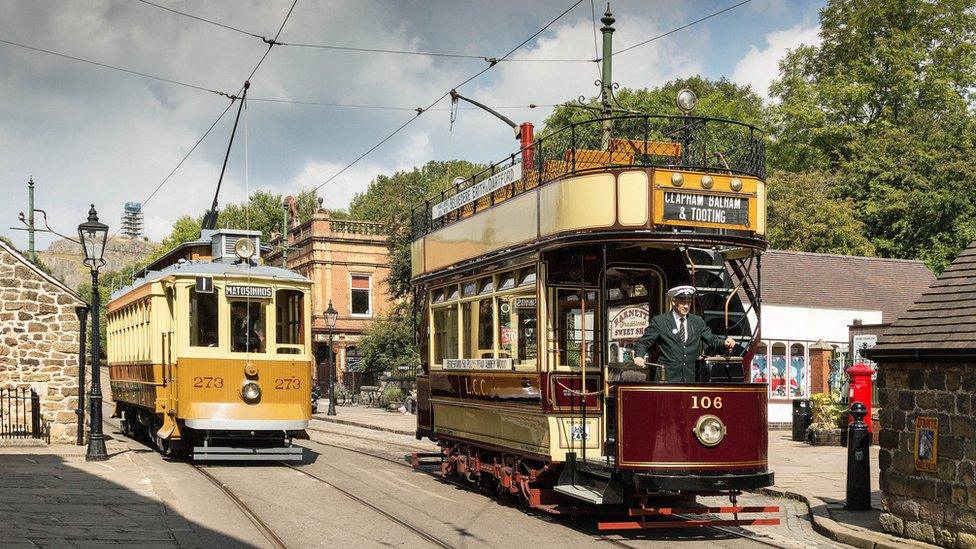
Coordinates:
<point>715,279</point>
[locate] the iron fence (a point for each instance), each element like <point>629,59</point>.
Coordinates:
<point>20,414</point>
<point>632,140</point>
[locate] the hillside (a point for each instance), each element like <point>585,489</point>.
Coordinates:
<point>65,258</point>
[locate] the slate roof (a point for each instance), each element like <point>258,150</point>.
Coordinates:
<point>831,281</point>
<point>942,322</point>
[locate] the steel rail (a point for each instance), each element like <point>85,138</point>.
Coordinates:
<point>402,522</point>
<point>262,526</point>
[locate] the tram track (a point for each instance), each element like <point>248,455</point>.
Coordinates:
<point>615,542</point>
<point>262,526</point>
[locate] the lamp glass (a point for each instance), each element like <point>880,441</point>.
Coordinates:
<point>331,315</point>
<point>93,237</point>
<point>686,100</point>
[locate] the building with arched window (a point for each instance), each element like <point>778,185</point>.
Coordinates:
<point>809,298</point>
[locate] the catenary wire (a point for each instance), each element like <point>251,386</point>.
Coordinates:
<point>112,67</point>
<point>672,31</point>
<point>338,47</point>
<point>389,107</point>
<point>445,94</point>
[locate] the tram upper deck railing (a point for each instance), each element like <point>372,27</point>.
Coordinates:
<point>632,140</point>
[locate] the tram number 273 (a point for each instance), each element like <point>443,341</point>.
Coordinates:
<point>705,403</point>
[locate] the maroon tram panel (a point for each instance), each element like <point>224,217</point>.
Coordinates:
<point>655,427</point>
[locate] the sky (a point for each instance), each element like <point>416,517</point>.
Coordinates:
<point>88,134</point>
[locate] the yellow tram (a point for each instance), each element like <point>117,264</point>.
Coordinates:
<point>535,279</point>
<point>209,352</point>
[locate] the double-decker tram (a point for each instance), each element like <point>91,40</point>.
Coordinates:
<point>209,352</point>
<point>535,279</point>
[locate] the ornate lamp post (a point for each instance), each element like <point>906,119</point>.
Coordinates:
<point>93,237</point>
<point>331,315</point>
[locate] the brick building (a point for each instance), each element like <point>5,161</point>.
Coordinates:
<point>39,339</point>
<point>927,388</point>
<point>348,263</point>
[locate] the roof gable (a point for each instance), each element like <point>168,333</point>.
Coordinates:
<point>4,247</point>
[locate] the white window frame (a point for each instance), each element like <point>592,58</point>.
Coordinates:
<point>369,311</point>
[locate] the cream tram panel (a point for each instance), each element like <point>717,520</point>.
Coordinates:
<point>507,224</point>
<point>632,199</point>
<point>526,431</point>
<point>417,257</point>
<point>577,203</point>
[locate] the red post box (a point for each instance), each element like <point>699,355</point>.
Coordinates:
<point>860,375</point>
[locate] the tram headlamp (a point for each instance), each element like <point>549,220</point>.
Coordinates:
<point>250,391</point>
<point>686,100</point>
<point>244,248</point>
<point>736,184</point>
<point>709,430</point>
<point>707,182</point>
<point>677,179</point>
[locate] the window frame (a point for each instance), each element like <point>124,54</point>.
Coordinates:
<point>369,295</point>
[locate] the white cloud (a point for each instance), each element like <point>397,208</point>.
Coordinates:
<point>758,68</point>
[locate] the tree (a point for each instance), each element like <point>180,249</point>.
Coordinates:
<point>388,344</point>
<point>263,212</point>
<point>390,200</point>
<point>886,103</point>
<point>804,215</point>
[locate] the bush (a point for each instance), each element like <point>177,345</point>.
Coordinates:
<point>391,393</point>
<point>825,410</point>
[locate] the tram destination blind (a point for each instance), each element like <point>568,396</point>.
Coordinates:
<point>703,208</point>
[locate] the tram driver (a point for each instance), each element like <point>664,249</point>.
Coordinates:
<point>679,334</point>
<point>247,327</point>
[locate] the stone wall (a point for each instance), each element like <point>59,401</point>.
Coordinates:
<point>39,340</point>
<point>936,507</point>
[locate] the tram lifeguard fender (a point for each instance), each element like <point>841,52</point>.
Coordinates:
<point>170,430</point>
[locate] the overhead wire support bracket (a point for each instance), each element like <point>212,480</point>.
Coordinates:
<point>210,217</point>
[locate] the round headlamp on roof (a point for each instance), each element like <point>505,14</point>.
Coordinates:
<point>735,184</point>
<point>677,179</point>
<point>686,100</point>
<point>244,248</point>
<point>707,182</point>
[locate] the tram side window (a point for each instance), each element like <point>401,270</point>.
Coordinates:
<point>247,327</point>
<point>445,333</point>
<point>289,321</point>
<point>204,323</point>
<point>517,326</point>
<point>576,327</point>
<point>478,320</point>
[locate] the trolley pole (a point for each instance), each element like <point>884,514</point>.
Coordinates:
<point>606,78</point>
<point>858,461</point>
<point>30,221</point>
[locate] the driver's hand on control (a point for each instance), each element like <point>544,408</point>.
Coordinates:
<point>639,361</point>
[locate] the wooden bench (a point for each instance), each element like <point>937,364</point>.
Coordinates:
<point>651,148</point>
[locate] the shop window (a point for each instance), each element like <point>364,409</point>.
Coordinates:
<point>445,333</point>
<point>798,368</point>
<point>204,323</point>
<point>247,333</point>
<point>777,370</point>
<point>760,367</point>
<point>360,298</point>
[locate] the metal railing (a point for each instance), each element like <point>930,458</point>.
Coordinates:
<point>20,414</point>
<point>633,140</point>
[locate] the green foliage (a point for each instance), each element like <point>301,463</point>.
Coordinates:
<point>186,229</point>
<point>392,393</point>
<point>825,411</point>
<point>264,212</point>
<point>804,214</point>
<point>390,199</point>
<point>388,344</point>
<point>886,103</point>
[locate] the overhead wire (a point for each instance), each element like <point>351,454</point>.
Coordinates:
<point>204,19</point>
<point>112,67</point>
<point>421,111</point>
<point>683,27</point>
<point>387,107</point>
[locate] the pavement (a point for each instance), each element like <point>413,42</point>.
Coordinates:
<point>814,475</point>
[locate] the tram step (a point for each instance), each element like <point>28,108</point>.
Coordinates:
<point>584,493</point>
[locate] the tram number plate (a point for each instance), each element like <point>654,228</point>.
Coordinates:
<point>703,208</point>
<point>579,432</point>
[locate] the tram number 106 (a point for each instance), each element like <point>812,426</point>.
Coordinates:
<point>705,403</point>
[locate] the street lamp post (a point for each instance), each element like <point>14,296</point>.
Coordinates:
<point>93,237</point>
<point>331,315</point>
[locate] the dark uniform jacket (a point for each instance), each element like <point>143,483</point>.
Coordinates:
<point>679,357</point>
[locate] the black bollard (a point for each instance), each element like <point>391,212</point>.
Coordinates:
<point>858,461</point>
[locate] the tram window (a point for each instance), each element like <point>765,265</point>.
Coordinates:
<point>760,373</point>
<point>574,325</point>
<point>517,326</point>
<point>777,370</point>
<point>452,293</point>
<point>798,367</point>
<point>527,276</point>
<point>289,325</point>
<point>477,317</point>
<point>487,286</point>
<point>247,327</point>
<point>204,324</point>
<point>445,333</point>
<point>469,289</point>
<point>438,296</point>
